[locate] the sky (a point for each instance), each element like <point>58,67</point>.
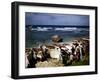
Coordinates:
<point>56,19</point>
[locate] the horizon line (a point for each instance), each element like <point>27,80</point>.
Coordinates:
<point>60,25</point>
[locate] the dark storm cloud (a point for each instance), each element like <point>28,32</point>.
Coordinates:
<point>56,19</point>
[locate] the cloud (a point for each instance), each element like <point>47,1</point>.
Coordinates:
<point>55,19</point>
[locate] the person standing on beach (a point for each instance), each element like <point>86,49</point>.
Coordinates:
<point>32,59</point>
<point>64,57</point>
<point>77,51</point>
<point>81,51</point>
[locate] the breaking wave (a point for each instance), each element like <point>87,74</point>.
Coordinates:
<point>42,28</point>
<point>66,29</point>
<point>59,29</point>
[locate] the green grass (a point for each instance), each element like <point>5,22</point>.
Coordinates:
<point>85,61</point>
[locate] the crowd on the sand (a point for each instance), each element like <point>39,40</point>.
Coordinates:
<point>65,53</point>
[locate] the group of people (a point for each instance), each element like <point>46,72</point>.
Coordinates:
<point>78,50</point>
<point>67,55</point>
<point>36,55</point>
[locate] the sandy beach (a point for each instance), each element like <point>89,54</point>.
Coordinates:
<point>56,59</point>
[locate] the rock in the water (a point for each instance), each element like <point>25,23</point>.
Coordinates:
<point>57,38</point>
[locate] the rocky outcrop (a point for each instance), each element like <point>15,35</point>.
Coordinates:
<point>57,39</point>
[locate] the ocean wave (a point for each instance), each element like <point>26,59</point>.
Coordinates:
<point>59,29</point>
<point>42,28</point>
<point>66,29</point>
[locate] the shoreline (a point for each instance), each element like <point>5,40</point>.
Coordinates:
<point>65,42</point>
<point>54,51</point>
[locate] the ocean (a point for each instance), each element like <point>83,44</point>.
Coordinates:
<point>36,35</point>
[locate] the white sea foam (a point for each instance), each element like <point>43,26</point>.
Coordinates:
<point>42,28</point>
<point>66,29</point>
<point>59,29</point>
